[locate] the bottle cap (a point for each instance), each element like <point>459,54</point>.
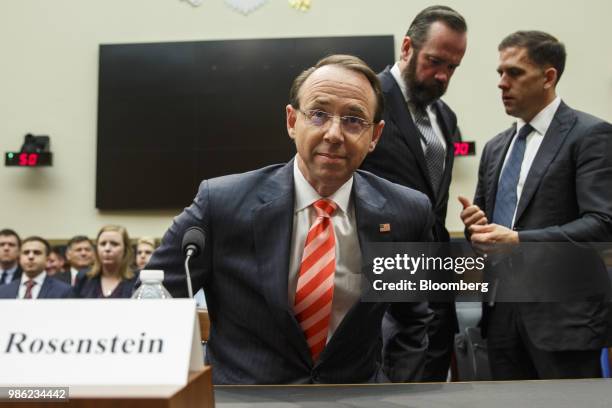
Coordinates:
<point>151,275</point>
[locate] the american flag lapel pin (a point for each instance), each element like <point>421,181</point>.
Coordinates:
<point>384,227</point>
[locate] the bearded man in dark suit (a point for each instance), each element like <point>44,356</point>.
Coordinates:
<point>416,149</point>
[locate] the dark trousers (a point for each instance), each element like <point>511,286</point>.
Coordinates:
<point>512,356</point>
<point>441,333</point>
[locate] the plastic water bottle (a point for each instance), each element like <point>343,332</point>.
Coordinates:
<point>151,287</point>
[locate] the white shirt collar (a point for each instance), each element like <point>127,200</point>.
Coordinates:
<point>541,122</point>
<point>306,195</point>
<point>10,271</point>
<point>39,279</point>
<point>397,75</point>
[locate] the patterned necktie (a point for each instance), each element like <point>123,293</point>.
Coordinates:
<point>29,285</point>
<point>506,198</point>
<point>435,155</point>
<point>315,285</point>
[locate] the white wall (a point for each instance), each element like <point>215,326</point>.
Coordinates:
<point>49,63</point>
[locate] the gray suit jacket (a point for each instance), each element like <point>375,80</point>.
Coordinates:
<point>254,335</point>
<point>567,197</point>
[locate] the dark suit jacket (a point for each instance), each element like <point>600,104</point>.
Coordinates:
<point>254,336</point>
<point>16,276</point>
<point>64,276</point>
<point>51,289</point>
<point>567,197</point>
<point>399,157</point>
<point>90,288</point>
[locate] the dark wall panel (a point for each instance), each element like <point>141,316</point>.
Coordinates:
<point>172,114</point>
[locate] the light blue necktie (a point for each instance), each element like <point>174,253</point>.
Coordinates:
<point>506,198</point>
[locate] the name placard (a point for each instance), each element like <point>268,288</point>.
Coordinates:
<point>95,342</point>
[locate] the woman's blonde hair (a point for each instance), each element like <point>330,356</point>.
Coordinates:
<point>146,240</point>
<point>128,254</point>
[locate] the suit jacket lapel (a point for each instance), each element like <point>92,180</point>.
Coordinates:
<point>370,216</point>
<point>444,123</point>
<point>399,111</point>
<point>272,228</point>
<point>46,288</point>
<point>17,274</point>
<point>498,153</point>
<point>370,212</point>
<point>560,126</point>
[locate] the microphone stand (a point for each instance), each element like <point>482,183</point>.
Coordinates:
<point>187,258</point>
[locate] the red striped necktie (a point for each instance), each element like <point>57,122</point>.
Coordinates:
<point>315,286</point>
<point>29,285</point>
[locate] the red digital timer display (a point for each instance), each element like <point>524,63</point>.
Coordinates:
<point>28,159</point>
<point>25,159</point>
<point>465,148</point>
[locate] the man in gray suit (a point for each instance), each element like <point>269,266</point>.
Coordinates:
<point>282,265</point>
<point>546,179</point>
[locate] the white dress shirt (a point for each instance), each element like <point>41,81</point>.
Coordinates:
<point>347,278</point>
<point>73,275</point>
<point>39,279</point>
<point>540,123</point>
<point>433,118</point>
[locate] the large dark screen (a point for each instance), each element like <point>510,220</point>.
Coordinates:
<point>172,114</point>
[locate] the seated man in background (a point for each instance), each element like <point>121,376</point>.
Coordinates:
<point>80,256</point>
<point>281,268</point>
<point>9,255</point>
<point>34,283</point>
<point>56,261</point>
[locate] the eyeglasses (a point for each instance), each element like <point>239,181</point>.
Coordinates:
<point>351,125</point>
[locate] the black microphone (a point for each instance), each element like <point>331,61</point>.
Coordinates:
<point>193,245</point>
<point>193,241</point>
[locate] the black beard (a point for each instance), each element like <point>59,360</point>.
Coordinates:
<point>421,93</point>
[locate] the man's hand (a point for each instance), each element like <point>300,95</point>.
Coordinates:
<point>493,234</point>
<point>471,214</point>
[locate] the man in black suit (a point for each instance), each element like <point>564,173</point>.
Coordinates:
<point>546,179</point>
<point>34,283</point>
<point>417,145</point>
<point>10,244</point>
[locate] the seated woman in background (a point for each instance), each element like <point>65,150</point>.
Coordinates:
<point>110,276</point>
<point>144,249</point>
